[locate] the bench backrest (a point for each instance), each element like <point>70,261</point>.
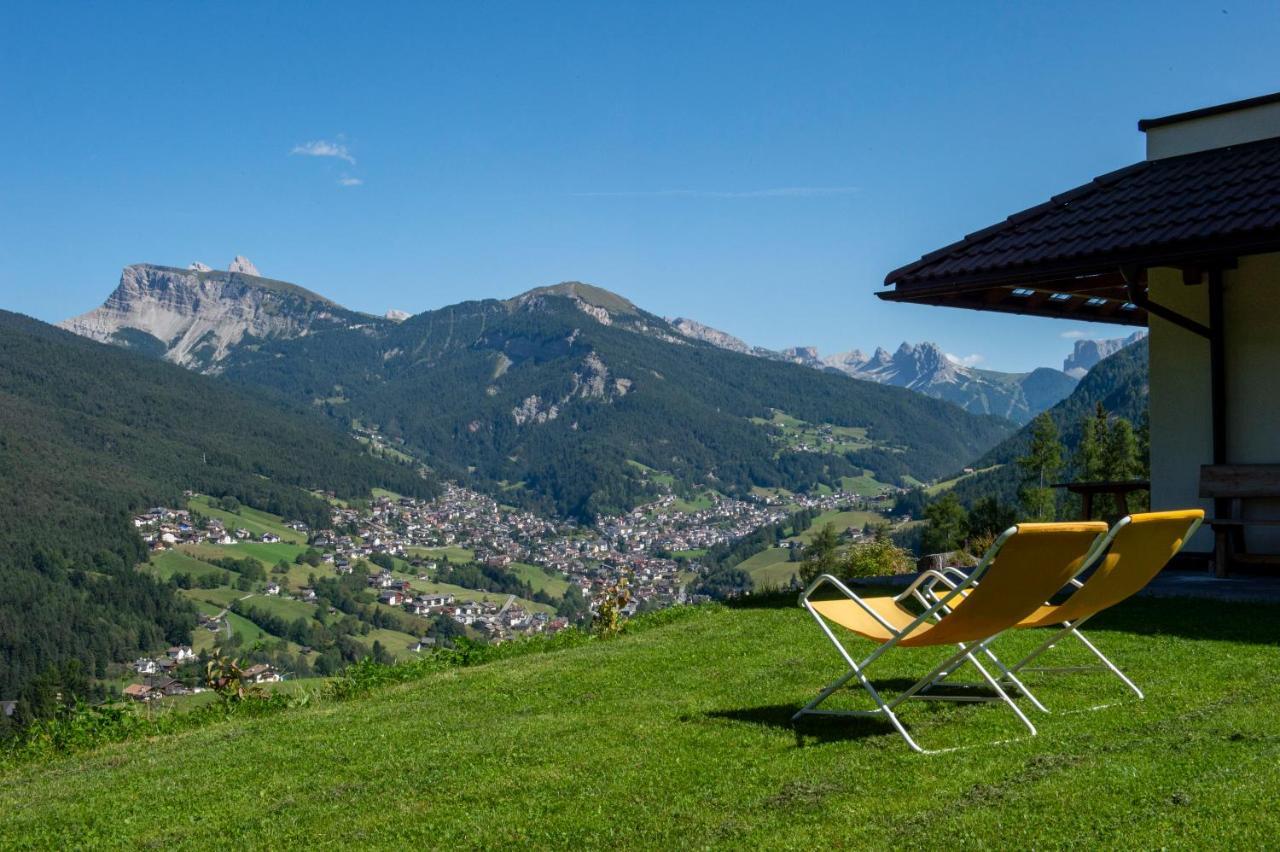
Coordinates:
<point>1236,481</point>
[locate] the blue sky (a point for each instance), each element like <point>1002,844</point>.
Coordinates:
<point>758,167</point>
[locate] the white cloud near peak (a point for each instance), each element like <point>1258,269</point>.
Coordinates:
<point>348,180</point>
<point>966,360</point>
<point>324,148</point>
<point>1074,334</point>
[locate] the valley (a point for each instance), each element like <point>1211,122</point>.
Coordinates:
<point>394,576</point>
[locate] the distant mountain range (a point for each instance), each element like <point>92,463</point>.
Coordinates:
<point>570,398</point>
<point>925,368</point>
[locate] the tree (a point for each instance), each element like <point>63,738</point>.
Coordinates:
<point>948,525</point>
<point>1041,464</point>
<point>820,554</point>
<point>1120,455</point>
<point>989,517</point>
<point>1088,465</point>
<point>724,583</point>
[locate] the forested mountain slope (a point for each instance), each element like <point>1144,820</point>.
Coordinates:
<point>1119,382</point>
<point>550,397</point>
<point>90,434</point>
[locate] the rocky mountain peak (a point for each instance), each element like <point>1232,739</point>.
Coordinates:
<point>1087,353</point>
<point>197,266</point>
<point>597,302</point>
<point>243,265</point>
<point>195,317</point>
<point>397,316</point>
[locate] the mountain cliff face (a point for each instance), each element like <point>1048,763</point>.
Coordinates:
<point>1090,352</point>
<point>195,317</point>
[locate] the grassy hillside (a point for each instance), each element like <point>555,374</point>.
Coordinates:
<point>90,434</point>
<point>540,402</point>
<point>678,736</point>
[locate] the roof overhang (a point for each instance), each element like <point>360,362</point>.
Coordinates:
<point>1083,254</point>
<point>1093,290</point>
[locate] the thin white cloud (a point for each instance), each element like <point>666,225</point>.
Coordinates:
<point>1074,334</point>
<point>324,148</point>
<point>348,180</point>
<point>966,360</point>
<point>777,192</point>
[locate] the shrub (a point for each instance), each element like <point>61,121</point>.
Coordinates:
<point>876,558</point>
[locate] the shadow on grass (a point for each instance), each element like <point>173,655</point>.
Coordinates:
<point>790,599</point>
<point>808,729</point>
<point>1192,618</point>
<point>1186,618</point>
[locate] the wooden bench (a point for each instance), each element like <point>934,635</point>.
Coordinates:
<point>1229,485</point>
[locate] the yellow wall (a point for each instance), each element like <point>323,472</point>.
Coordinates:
<point>1181,425</point>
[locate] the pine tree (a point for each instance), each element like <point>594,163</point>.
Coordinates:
<point>1041,464</point>
<point>1121,456</point>
<point>948,525</point>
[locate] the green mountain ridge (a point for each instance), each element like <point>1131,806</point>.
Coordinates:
<point>558,389</point>
<point>90,434</point>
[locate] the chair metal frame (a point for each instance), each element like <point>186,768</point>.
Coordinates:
<point>925,594</point>
<point>934,610</point>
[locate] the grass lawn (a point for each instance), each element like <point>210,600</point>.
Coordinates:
<point>267,554</point>
<point>220,596</point>
<point>539,579</point>
<point>169,562</point>
<point>947,484</point>
<point>865,485</point>
<point>455,554</point>
<point>283,607</point>
<point>704,500</point>
<point>680,737</point>
<point>842,521</point>
<point>253,520</point>
<point>770,568</point>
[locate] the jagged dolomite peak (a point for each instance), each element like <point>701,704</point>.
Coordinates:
<point>197,266</point>
<point>196,317</point>
<point>243,264</point>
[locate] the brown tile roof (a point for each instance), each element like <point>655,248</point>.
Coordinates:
<point>1224,201</point>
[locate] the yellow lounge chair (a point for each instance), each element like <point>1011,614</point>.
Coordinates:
<point>1130,556</point>
<point>1023,568</point>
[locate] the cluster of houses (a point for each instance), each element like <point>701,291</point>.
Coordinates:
<point>162,528</point>
<point>634,545</point>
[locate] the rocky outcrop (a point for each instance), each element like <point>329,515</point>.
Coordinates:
<point>195,317</point>
<point>695,330</point>
<point>1090,352</point>
<point>243,264</point>
<point>397,316</point>
<point>590,381</point>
